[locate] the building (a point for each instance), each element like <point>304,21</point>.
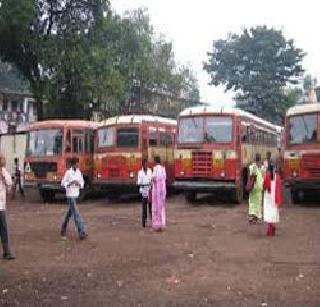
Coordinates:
<point>17,110</point>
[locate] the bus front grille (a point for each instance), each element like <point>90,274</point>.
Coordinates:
<point>311,162</point>
<point>202,164</point>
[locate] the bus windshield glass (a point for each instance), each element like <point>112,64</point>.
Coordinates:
<point>128,137</point>
<point>47,142</point>
<point>191,130</point>
<point>106,137</point>
<point>303,129</point>
<point>219,129</point>
<point>205,129</point>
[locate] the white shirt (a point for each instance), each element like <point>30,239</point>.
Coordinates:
<point>144,181</point>
<point>5,183</point>
<point>72,190</point>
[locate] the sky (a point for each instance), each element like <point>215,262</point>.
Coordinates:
<point>193,25</point>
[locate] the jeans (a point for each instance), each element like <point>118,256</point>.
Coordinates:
<point>4,233</point>
<point>145,205</point>
<point>73,211</point>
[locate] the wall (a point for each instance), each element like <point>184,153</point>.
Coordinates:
<point>11,146</point>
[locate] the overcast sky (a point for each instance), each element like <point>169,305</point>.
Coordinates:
<point>193,25</point>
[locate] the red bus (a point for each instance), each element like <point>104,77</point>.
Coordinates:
<point>50,146</point>
<point>215,146</point>
<point>302,150</point>
<point>122,143</point>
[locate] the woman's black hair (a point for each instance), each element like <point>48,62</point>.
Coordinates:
<point>157,159</point>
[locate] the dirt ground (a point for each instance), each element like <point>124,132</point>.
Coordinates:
<point>208,255</point>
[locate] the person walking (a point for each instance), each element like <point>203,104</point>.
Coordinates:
<point>144,183</point>
<point>5,184</point>
<point>272,200</point>
<point>73,182</point>
<point>256,171</point>
<point>17,179</point>
<point>159,192</point>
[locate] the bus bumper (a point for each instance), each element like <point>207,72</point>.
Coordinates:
<point>204,186</point>
<point>46,185</point>
<point>118,186</point>
<point>303,184</point>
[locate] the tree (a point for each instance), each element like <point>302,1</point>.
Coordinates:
<point>11,79</point>
<point>77,53</point>
<point>258,64</point>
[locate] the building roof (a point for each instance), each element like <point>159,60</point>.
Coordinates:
<point>304,108</point>
<point>227,110</point>
<point>46,124</point>
<point>129,119</point>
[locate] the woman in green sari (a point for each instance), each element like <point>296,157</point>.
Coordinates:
<point>255,196</point>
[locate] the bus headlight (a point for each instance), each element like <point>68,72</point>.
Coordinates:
<point>223,174</point>
<point>294,174</point>
<point>181,173</point>
<point>131,174</point>
<point>98,175</point>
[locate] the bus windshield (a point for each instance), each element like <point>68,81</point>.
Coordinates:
<point>303,129</point>
<point>106,137</point>
<point>47,142</point>
<point>128,137</point>
<point>218,129</point>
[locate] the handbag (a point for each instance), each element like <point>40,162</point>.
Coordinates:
<point>250,183</point>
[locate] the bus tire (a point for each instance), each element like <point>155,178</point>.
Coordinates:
<point>47,196</point>
<point>296,197</point>
<point>190,196</point>
<point>238,193</point>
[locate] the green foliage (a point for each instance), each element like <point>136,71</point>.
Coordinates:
<point>11,79</point>
<point>258,64</point>
<point>75,53</point>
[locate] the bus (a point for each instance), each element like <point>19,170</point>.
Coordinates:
<point>215,146</point>
<point>121,144</point>
<point>50,146</point>
<point>302,150</point>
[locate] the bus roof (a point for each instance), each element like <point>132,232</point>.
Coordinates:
<point>227,110</point>
<point>63,123</point>
<point>129,119</point>
<point>304,108</point>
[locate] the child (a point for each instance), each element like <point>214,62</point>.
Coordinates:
<point>272,201</point>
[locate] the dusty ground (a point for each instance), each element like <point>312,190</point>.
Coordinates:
<point>208,256</point>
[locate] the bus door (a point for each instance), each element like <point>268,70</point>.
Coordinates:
<point>152,144</point>
<point>144,144</point>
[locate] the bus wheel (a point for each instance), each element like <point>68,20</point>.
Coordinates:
<point>190,197</point>
<point>296,196</point>
<point>47,196</point>
<point>238,194</point>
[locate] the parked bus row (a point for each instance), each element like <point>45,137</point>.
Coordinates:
<point>206,149</point>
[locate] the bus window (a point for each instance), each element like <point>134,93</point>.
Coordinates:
<point>153,136</point>
<point>78,141</point>
<point>106,137</point>
<point>165,138</point>
<point>128,137</point>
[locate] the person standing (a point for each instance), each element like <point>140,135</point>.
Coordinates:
<point>17,179</point>
<point>73,182</point>
<point>272,200</point>
<point>144,183</point>
<point>5,184</point>
<point>159,191</point>
<point>256,171</point>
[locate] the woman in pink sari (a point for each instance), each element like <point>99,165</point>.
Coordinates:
<point>159,192</point>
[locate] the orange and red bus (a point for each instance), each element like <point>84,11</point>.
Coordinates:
<point>121,144</point>
<point>215,146</point>
<point>302,150</point>
<point>50,146</point>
